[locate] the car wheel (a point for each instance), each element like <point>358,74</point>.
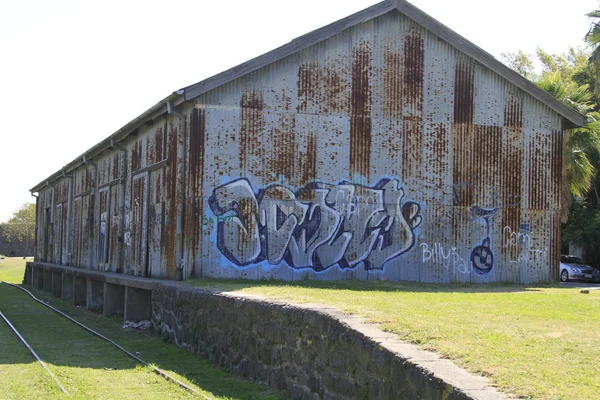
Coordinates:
<point>564,276</point>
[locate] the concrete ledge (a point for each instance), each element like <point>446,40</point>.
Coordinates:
<point>110,277</point>
<point>105,292</point>
<point>312,351</point>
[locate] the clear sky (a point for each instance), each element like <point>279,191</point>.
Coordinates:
<point>74,72</point>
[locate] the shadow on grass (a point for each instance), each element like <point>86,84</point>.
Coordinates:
<point>228,285</point>
<point>59,342</point>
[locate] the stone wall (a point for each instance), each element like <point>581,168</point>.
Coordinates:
<point>310,353</point>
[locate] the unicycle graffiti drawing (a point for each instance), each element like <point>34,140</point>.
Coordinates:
<point>482,258</point>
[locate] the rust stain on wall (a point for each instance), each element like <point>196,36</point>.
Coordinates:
<point>392,82</point>
<point>155,153</point>
<point>487,164</point>
<point>282,145</point>
<point>512,171</point>
<point>463,93</point>
<point>412,108</point>
<point>360,120</point>
<point>89,179</point>
<point>169,231</point>
<point>414,69</point>
<point>463,136</point>
<point>195,204</point>
<point>436,167</point>
<point>539,156</point>
<point>412,142</point>
<point>556,168</point>
<point>116,166</point>
<point>136,156</point>
<point>61,191</point>
<point>513,113</point>
<point>462,177</point>
<point>308,161</point>
<point>251,129</point>
<point>335,89</point>
<point>309,88</point>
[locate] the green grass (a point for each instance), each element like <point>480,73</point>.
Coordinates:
<point>539,342</point>
<point>90,368</point>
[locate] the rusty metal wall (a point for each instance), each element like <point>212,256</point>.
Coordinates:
<point>380,153</point>
<point>151,200</point>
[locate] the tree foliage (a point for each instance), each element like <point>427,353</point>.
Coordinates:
<point>568,77</point>
<point>592,38</point>
<point>573,78</point>
<point>21,226</point>
<point>520,62</point>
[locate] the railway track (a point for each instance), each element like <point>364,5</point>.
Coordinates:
<point>22,331</point>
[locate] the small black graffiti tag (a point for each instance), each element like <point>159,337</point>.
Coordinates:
<point>482,258</point>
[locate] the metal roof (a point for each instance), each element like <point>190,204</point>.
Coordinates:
<point>410,11</point>
<point>572,117</point>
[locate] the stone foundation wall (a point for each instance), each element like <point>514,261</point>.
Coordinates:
<point>310,353</point>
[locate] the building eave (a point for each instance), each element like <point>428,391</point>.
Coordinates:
<point>573,118</point>
<point>152,113</point>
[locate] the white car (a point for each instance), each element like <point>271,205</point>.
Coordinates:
<point>572,267</point>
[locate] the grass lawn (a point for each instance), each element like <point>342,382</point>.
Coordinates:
<point>88,367</point>
<point>539,342</point>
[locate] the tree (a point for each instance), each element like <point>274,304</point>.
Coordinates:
<point>568,78</point>
<point>592,38</point>
<point>521,63</point>
<point>572,78</point>
<point>21,226</point>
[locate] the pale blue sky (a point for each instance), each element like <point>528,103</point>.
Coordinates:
<point>74,72</point>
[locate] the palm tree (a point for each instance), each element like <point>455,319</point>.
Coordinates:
<point>593,37</point>
<point>579,142</point>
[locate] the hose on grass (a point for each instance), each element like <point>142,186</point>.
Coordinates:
<point>138,359</point>
<point>62,388</point>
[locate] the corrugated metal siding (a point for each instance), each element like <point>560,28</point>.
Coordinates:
<point>380,153</point>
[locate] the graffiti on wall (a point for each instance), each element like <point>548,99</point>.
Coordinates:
<point>317,227</point>
<point>481,258</point>
<point>449,257</point>
<point>521,247</point>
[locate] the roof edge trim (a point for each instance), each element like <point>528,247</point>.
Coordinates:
<point>300,43</point>
<point>153,112</point>
<point>489,61</point>
<point>404,7</point>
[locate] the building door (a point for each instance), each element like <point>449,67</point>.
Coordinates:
<point>139,225</point>
<point>76,248</point>
<point>103,228</point>
<point>155,226</point>
<point>114,240</point>
<point>58,234</point>
<point>47,236</point>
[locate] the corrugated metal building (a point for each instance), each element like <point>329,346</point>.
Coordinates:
<point>382,146</point>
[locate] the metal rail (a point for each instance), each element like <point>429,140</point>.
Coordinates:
<point>138,359</point>
<point>62,388</point>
